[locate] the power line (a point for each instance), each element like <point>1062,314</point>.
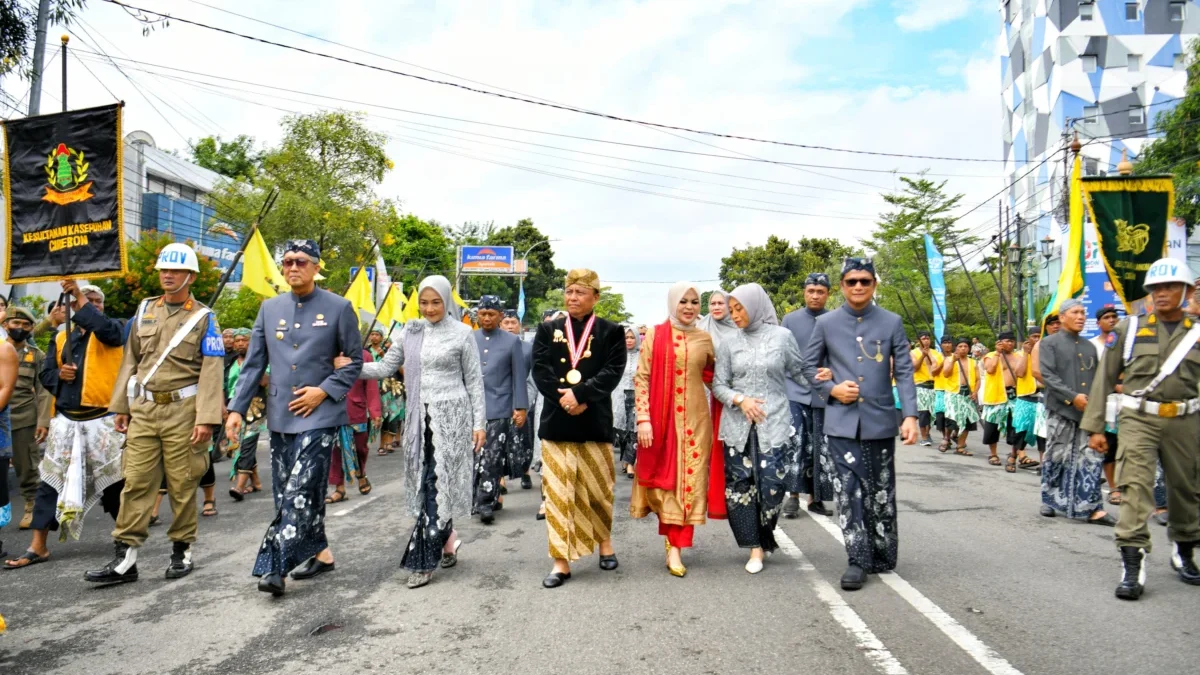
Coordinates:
<point>543,103</point>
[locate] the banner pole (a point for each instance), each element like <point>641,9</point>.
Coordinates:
<point>375,319</point>
<point>65,40</point>
<point>262,213</point>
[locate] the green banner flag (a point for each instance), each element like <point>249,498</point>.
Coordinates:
<point>1131,214</point>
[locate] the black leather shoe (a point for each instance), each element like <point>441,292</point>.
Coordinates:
<point>503,489</point>
<point>311,568</point>
<point>854,578</point>
<point>526,483</point>
<point>819,508</point>
<point>556,579</point>
<point>498,507</point>
<point>1047,511</point>
<point>1182,562</point>
<point>1106,520</point>
<point>540,516</point>
<point>608,563</point>
<point>271,583</point>
<point>486,515</point>
<point>181,560</point>
<point>121,569</point>
<point>791,506</point>
<point>1133,582</point>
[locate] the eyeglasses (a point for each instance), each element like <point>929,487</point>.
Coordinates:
<point>858,282</point>
<point>298,263</point>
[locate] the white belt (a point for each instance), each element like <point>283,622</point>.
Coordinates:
<point>1161,409</point>
<point>163,397</point>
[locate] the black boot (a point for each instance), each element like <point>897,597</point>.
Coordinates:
<point>271,583</point>
<point>1133,560</point>
<point>854,578</point>
<point>121,569</point>
<point>791,506</point>
<point>526,483</point>
<point>181,560</point>
<point>486,515</point>
<point>1182,562</point>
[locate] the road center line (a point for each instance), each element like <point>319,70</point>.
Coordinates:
<point>843,613</point>
<point>965,639</point>
<point>350,509</point>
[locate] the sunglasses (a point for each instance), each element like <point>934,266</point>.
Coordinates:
<point>858,282</point>
<point>298,263</point>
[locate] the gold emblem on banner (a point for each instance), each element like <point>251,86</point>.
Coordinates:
<point>66,172</point>
<point>1133,238</point>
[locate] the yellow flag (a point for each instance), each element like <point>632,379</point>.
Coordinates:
<point>1070,282</point>
<point>459,301</point>
<point>392,308</point>
<point>259,272</point>
<point>412,309</point>
<point>359,294</point>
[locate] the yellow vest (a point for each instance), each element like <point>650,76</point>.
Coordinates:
<point>922,374</point>
<point>943,383</point>
<point>953,381</point>
<point>993,384</point>
<point>1027,384</point>
<point>100,367</point>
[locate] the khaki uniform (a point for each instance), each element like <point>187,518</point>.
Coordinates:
<point>160,430</point>
<point>29,408</point>
<point>1146,439</point>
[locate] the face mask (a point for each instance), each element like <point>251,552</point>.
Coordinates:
<point>18,334</point>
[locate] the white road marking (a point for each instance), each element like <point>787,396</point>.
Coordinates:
<point>350,509</point>
<point>845,615</point>
<point>965,639</point>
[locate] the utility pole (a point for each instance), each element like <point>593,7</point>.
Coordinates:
<point>39,57</point>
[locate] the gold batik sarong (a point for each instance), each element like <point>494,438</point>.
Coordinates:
<point>578,482</point>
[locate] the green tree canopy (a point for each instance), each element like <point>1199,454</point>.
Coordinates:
<point>18,25</point>
<point>122,294</point>
<point>237,158</point>
<point>781,268</point>
<point>414,249</point>
<point>1175,150</point>
<point>611,305</point>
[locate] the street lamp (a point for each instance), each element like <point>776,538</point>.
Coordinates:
<point>1047,245</point>
<point>1014,254</point>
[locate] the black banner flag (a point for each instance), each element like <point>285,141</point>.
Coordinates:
<point>63,196</point>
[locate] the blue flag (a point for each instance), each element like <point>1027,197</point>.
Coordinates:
<point>521,305</point>
<point>938,283</point>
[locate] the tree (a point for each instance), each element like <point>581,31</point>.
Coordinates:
<point>611,305</point>
<point>122,294</point>
<point>18,26</point>
<point>238,310</point>
<point>1174,151</point>
<point>781,268</point>
<point>234,159</point>
<point>414,249</point>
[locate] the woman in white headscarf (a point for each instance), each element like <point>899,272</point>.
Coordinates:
<point>717,323</point>
<point>444,425</point>
<point>624,419</point>
<point>750,380</point>
<point>674,430</point>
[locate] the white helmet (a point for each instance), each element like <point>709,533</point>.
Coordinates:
<point>1168,271</point>
<point>177,257</point>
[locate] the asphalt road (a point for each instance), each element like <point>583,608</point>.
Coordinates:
<point>984,585</point>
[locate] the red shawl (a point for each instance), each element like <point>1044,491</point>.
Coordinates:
<point>657,465</point>
<point>716,465</point>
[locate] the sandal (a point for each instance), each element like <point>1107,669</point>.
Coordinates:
<point>236,494</point>
<point>1011,465</point>
<point>27,558</point>
<point>155,520</point>
<point>381,451</point>
<point>364,486</point>
<point>210,508</point>
<point>419,579</point>
<point>451,559</point>
<point>339,495</point>
<point>1028,463</point>
<point>943,446</point>
<point>994,460</point>
<point>1115,498</point>
<point>962,450</point>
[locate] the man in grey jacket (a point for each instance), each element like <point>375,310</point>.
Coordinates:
<point>865,347</point>
<point>298,334</point>
<point>505,403</point>
<point>812,472</point>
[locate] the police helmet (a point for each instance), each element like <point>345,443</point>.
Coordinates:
<point>177,257</point>
<point>1168,271</point>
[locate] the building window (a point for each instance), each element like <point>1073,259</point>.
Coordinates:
<point>1090,166</point>
<point>155,184</point>
<point>1137,115</point>
<point>1089,62</point>
<point>1086,9</point>
<point>1090,113</point>
<point>1131,11</point>
<point>1135,63</point>
<point>1180,62</point>
<point>1176,10</point>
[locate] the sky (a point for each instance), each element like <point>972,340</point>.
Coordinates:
<point>915,77</point>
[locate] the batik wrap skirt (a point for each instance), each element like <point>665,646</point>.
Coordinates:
<point>490,461</point>
<point>1071,473</point>
<point>811,472</point>
<point>577,479</point>
<point>299,476</point>
<point>755,483</point>
<point>961,411</point>
<point>425,544</point>
<point>866,501</point>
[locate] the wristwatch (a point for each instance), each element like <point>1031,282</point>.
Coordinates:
<point>737,399</point>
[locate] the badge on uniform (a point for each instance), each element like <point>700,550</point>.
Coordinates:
<point>28,357</point>
<point>1110,339</point>
<point>212,344</point>
<point>320,322</point>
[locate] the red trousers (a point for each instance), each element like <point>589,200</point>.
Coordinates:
<point>679,536</point>
<point>336,475</point>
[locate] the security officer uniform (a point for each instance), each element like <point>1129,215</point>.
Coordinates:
<point>29,409</point>
<point>176,386</point>
<point>1159,425</point>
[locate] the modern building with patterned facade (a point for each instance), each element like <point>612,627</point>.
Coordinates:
<point>1104,68</point>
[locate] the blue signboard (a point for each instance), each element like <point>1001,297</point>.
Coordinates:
<point>195,224</point>
<point>370,274</point>
<point>486,259</point>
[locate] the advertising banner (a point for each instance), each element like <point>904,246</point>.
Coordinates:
<point>485,259</point>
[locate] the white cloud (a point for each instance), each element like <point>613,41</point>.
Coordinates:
<point>731,66</point>
<point>922,15</point>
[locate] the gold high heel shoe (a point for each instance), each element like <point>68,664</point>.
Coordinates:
<point>680,571</point>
